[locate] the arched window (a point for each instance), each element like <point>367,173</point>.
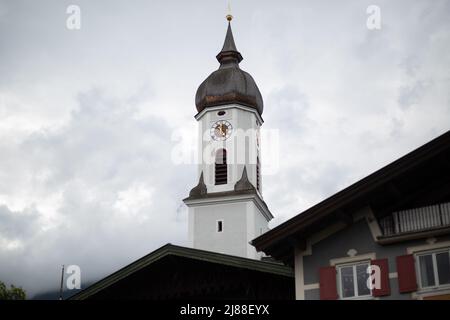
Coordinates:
<point>221,171</point>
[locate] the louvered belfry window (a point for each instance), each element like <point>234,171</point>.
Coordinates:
<point>258,173</point>
<point>221,173</point>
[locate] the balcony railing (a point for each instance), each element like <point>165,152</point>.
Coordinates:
<point>417,219</point>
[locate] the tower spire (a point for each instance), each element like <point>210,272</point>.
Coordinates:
<point>226,209</point>
<point>229,52</point>
<point>229,84</point>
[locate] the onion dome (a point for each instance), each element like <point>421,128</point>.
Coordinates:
<point>229,84</point>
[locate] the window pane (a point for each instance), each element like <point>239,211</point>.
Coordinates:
<point>443,266</point>
<point>362,276</point>
<point>426,270</point>
<point>347,284</point>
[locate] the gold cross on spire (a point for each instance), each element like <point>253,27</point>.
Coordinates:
<point>229,16</point>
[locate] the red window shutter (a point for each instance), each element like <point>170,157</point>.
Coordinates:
<point>406,272</point>
<point>328,289</point>
<point>385,288</point>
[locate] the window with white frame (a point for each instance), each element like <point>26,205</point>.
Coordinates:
<point>352,280</point>
<point>434,268</point>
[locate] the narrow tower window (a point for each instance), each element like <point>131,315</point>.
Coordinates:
<point>221,173</point>
<point>219,225</point>
<point>258,177</point>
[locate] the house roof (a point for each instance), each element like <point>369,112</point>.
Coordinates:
<point>278,242</point>
<point>170,250</point>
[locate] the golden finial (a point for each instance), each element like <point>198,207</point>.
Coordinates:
<point>229,16</point>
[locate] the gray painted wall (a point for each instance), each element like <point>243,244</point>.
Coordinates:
<point>358,237</point>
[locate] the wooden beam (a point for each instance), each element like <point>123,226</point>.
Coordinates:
<point>297,242</point>
<point>435,189</point>
<point>394,189</point>
<point>344,216</point>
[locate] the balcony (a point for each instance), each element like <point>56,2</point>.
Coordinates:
<point>415,220</point>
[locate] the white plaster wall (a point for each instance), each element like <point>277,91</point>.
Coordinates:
<point>257,224</point>
<point>233,238</point>
<point>239,119</point>
<point>242,222</point>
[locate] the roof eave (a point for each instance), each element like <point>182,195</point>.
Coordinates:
<point>294,225</point>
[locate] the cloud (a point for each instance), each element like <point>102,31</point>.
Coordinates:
<point>410,95</point>
<point>17,226</point>
<point>108,173</point>
<point>88,117</point>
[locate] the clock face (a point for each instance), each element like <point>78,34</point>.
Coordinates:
<point>221,130</point>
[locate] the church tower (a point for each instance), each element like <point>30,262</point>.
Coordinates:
<point>226,209</point>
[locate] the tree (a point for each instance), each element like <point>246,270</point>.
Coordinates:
<point>13,293</point>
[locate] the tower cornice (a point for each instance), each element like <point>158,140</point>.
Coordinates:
<point>230,197</point>
<point>199,115</point>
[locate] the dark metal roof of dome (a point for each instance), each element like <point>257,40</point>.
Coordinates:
<point>229,84</point>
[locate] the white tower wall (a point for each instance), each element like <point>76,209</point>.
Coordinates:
<point>243,215</point>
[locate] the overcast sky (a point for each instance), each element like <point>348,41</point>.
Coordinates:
<point>87,116</point>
